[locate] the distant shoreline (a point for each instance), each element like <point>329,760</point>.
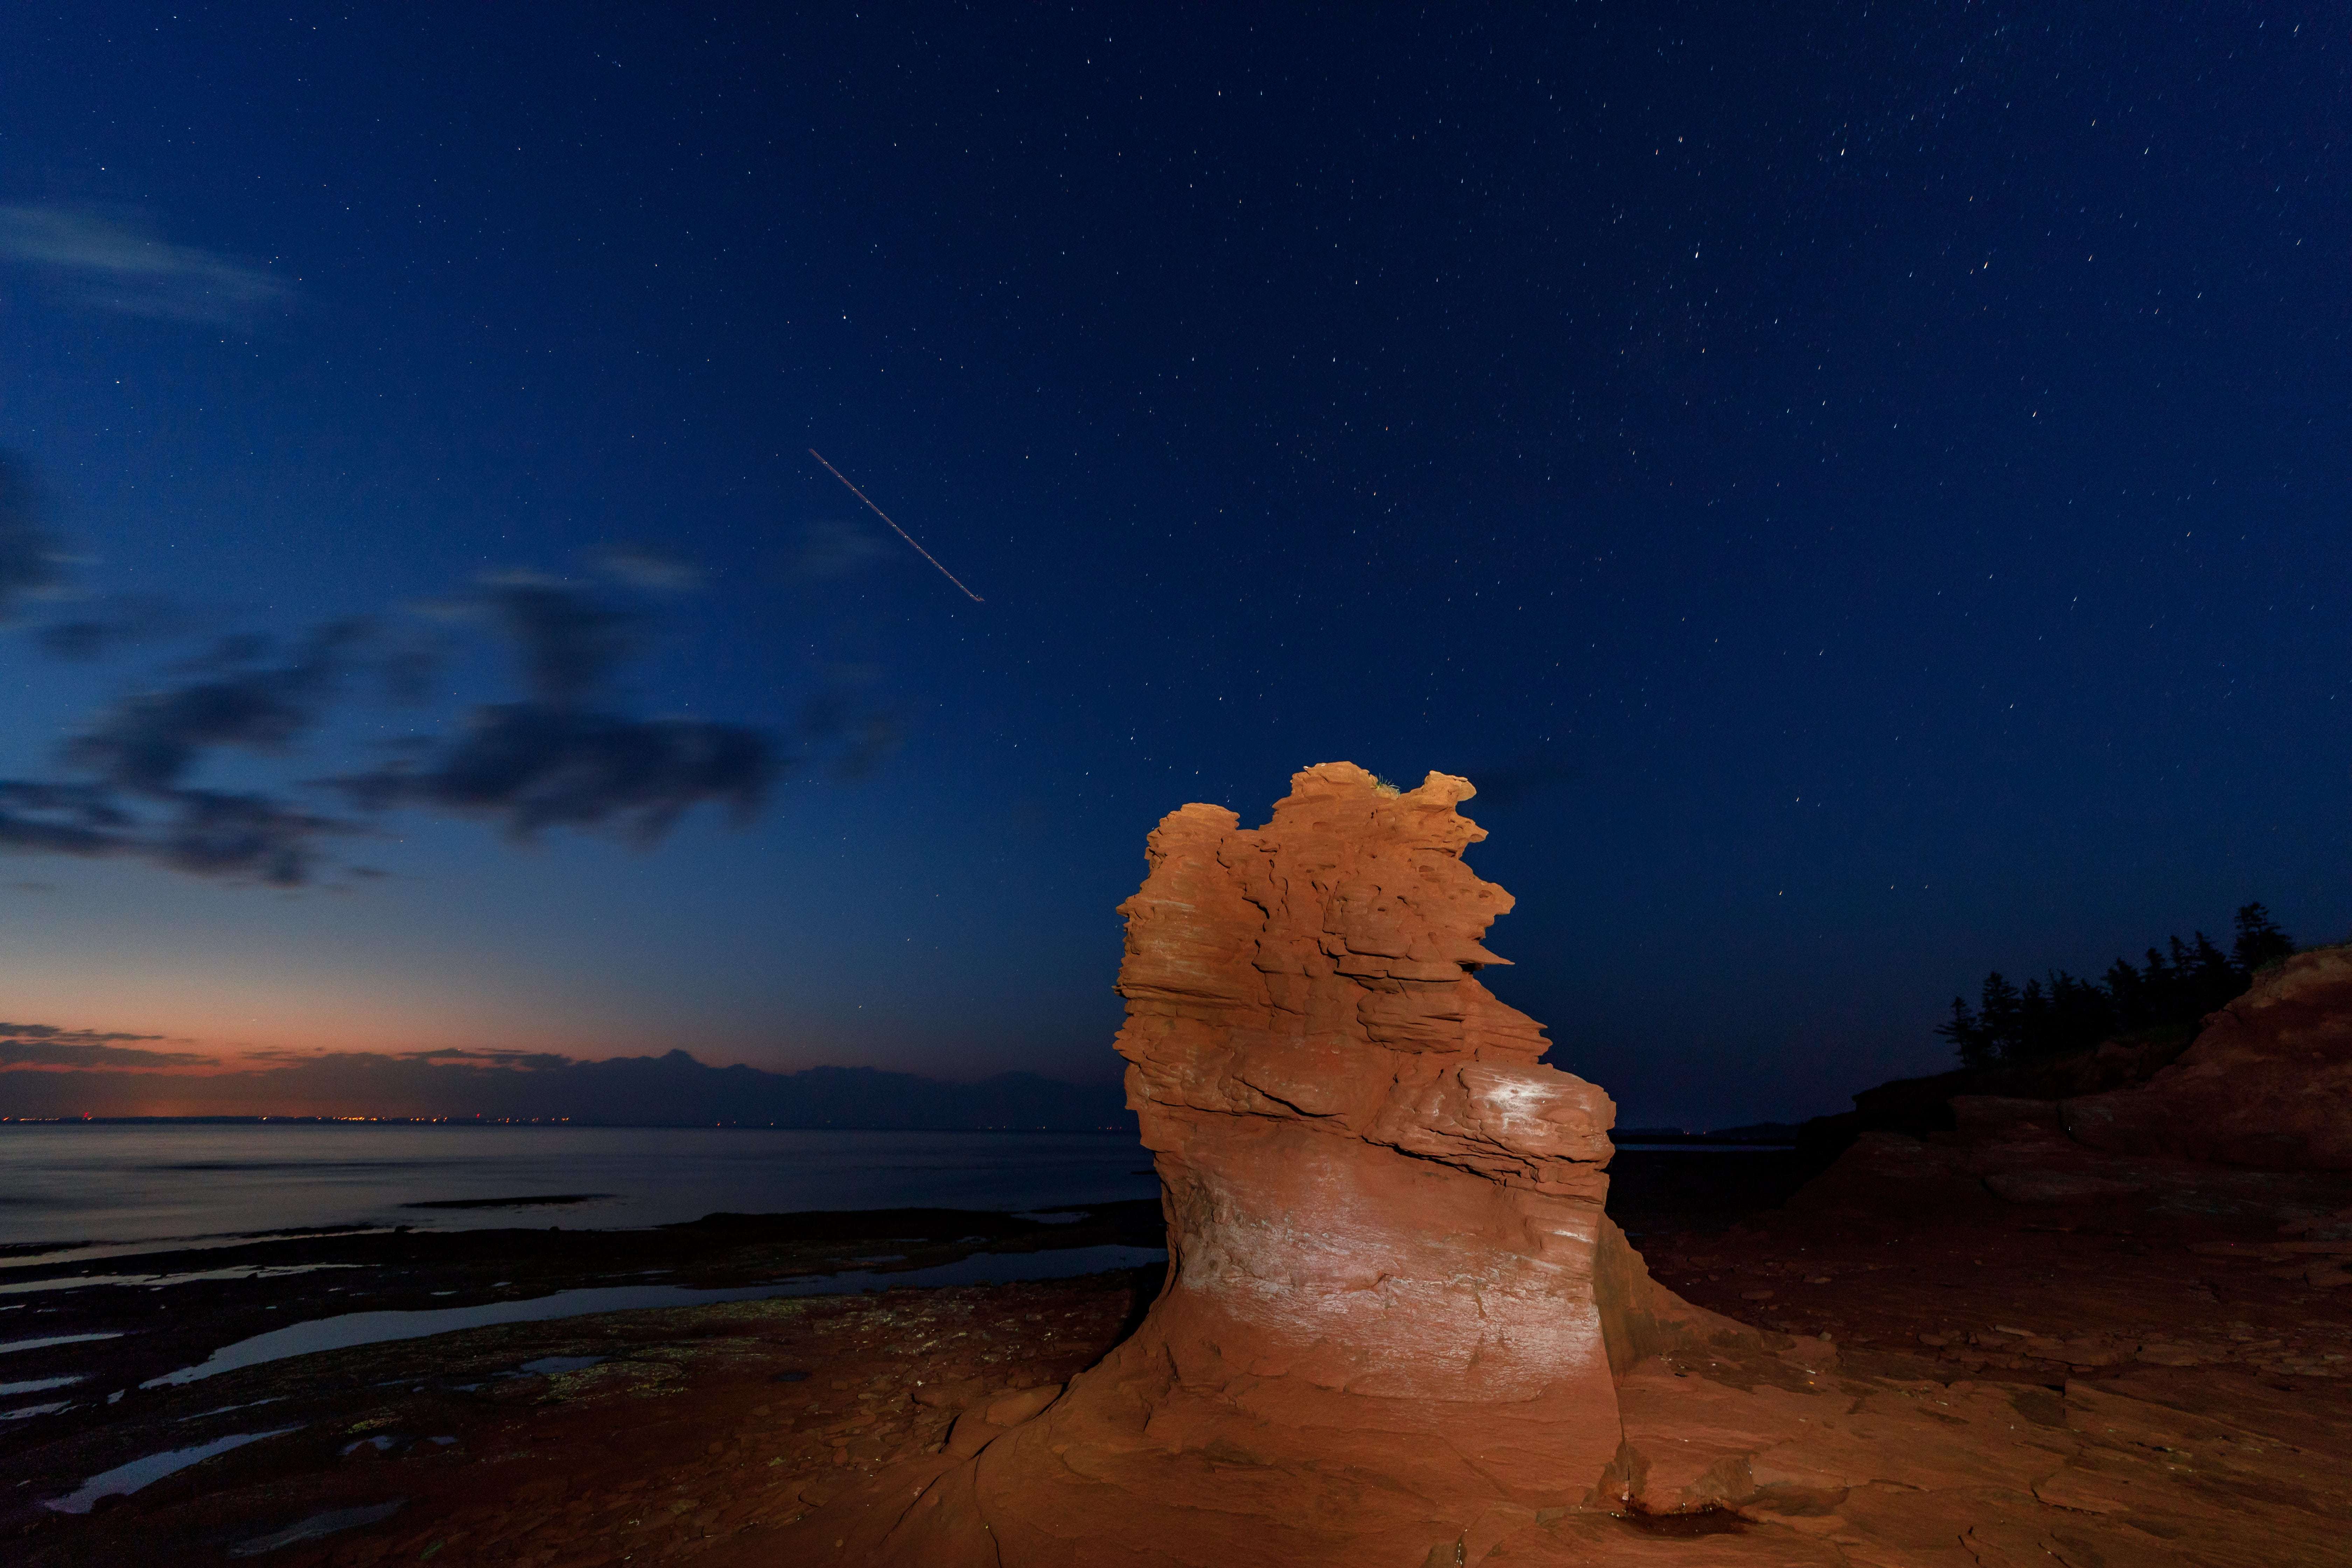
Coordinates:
<point>1625,1138</point>
<point>531,1122</point>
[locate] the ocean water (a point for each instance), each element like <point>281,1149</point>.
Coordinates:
<point>145,1182</point>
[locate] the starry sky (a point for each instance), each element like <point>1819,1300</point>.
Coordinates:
<point>1862,490</point>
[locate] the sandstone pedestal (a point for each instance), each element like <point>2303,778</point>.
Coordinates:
<point>1395,1305</point>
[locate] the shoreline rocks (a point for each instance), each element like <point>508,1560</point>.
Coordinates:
<point>2267,1085</point>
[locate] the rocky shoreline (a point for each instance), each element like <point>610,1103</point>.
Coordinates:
<point>472,1386</point>
<point>705,1434</point>
<point>1423,1313</point>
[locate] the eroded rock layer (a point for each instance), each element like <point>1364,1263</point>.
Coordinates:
<point>1383,1214</point>
<point>1395,1304</point>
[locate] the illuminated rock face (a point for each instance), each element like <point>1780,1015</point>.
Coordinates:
<point>1384,1214</point>
<point>1394,1305</point>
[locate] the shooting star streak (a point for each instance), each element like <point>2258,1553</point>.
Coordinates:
<point>901,532</point>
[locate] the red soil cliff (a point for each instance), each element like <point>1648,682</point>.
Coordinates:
<point>2268,1083</point>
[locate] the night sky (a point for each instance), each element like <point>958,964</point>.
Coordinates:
<point>1861,491</point>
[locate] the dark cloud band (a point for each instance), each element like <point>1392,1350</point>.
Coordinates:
<point>563,758</point>
<point>529,766</point>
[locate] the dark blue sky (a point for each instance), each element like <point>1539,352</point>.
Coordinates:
<point>1864,493</point>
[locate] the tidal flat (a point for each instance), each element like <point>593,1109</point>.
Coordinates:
<point>707,1433</point>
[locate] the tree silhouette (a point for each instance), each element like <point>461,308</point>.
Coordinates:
<point>2259,942</point>
<point>2061,1015</point>
<point>1969,1038</point>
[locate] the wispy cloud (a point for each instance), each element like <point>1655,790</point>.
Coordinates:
<point>110,626</point>
<point>521,1061</point>
<point>559,760</point>
<point>553,762</point>
<point>141,750</point>
<point>28,554</point>
<point>830,550</point>
<point>45,1045</point>
<point>1506,784</point>
<point>147,743</point>
<point>566,642</point>
<point>51,1032</point>
<point>115,263</point>
<point>528,766</point>
<point>569,756</point>
<point>648,568</point>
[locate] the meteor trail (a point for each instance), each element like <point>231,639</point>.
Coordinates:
<point>901,532</point>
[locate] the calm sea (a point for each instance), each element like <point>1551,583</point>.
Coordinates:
<point>145,1182</point>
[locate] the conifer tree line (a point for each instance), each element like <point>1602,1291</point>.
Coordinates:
<point>2061,1015</point>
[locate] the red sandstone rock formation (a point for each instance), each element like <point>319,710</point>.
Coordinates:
<point>1386,1217</point>
<point>1395,1304</point>
<point>2268,1083</point>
